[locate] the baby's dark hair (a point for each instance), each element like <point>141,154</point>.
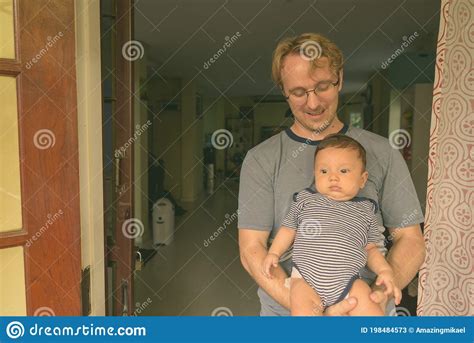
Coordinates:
<point>340,141</point>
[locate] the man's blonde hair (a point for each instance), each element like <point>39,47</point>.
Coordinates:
<point>319,44</point>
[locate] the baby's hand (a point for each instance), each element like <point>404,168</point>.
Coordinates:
<point>386,278</point>
<point>271,260</point>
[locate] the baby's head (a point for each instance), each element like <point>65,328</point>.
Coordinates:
<point>339,167</point>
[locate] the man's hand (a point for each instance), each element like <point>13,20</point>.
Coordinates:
<point>270,261</point>
<point>342,308</point>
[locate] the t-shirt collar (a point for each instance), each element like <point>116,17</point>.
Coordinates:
<point>299,139</point>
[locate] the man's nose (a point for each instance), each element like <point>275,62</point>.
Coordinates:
<point>312,101</point>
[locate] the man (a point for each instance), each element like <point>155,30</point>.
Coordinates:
<point>308,69</point>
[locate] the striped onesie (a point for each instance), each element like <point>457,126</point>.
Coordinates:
<point>329,248</point>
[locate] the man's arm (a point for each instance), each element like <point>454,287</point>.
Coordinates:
<point>405,257</point>
<point>253,249</point>
<point>407,253</point>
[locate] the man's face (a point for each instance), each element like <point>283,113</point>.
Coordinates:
<point>316,112</point>
<point>339,173</point>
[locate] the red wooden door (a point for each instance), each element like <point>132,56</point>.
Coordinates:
<point>42,239</point>
<point>117,26</point>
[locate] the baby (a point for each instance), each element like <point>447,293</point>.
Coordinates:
<point>334,234</point>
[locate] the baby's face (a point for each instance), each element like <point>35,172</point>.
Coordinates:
<point>339,173</point>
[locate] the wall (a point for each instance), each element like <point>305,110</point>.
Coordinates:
<point>191,145</point>
<point>140,146</point>
<point>89,104</point>
<point>178,136</point>
<point>214,119</point>
<point>166,143</point>
<point>423,97</point>
<point>411,68</point>
<point>381,89</point>
<point>445,287</point>
<point>395,111</point>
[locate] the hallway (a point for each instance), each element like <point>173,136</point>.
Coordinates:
<point>195,276</point>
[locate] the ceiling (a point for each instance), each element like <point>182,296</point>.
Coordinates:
<point>181,36</point>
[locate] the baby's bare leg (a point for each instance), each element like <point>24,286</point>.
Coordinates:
<point>365,306</point>
<point>304,301</point>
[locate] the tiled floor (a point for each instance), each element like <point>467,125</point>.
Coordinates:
<point>190,277</point>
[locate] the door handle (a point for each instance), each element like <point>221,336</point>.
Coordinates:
<point>125,297</point>
<point>119,155</point>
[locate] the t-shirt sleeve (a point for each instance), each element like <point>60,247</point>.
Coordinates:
<point>399,204</point>
<point>374,233</point>
<point>256,196</point>
<point>291,219</point>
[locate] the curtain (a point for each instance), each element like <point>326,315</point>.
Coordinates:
<point>446,284</point>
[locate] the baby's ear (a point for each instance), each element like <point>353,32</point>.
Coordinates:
<point>364,177</point>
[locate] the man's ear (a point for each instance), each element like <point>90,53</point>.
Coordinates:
<point>341,79</point>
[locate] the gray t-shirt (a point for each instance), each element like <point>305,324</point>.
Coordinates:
<point>283,165</point>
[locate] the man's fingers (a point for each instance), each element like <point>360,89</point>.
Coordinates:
<point>341,308</point>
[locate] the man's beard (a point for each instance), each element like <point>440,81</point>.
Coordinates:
<point>324,126</point>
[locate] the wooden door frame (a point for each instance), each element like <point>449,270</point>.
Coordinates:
<point>121,254</point>
<point>46,98</point>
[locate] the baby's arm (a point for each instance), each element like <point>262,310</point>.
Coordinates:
<point>377,263</point>
<point>283,240</point>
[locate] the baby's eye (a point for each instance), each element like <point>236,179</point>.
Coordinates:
<point>344,171</point>
<point>324,171</point>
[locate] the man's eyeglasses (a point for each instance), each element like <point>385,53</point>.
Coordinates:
<point>300,95</point>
